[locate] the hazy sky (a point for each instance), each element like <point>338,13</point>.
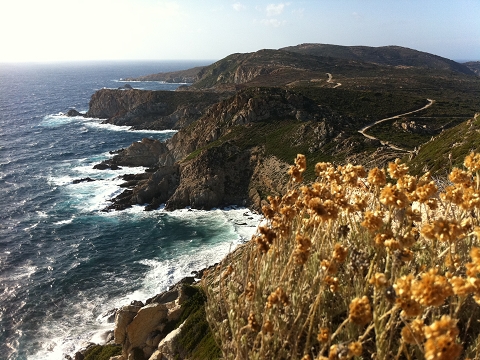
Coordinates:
<point>57,30</point>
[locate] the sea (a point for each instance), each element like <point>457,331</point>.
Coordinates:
<point>65,263</point>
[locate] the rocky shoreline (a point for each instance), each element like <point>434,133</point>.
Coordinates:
<point>150,330</point>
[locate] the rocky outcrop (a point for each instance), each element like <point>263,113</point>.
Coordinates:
<point>141,153</point>
<point>181,76</point>
<point>149,331</point>
<point>205,165</point>
<point>156,110</point>
<point>189,171</point>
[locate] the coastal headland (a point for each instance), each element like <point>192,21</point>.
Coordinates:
<point>240,124</point>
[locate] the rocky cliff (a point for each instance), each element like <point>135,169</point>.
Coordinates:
<point>224,158</point>
<point>155,110</point>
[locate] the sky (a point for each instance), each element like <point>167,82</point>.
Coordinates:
<point>77,30</point>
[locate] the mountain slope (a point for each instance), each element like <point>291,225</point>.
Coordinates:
<point>384,55</point>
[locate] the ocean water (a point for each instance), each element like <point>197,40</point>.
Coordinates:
<point>63,262</point>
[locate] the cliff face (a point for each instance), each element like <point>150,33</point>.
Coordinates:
<point>213,162</point>
<point>155,110</point>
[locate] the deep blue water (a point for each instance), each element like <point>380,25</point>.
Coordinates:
<point>63,262</point>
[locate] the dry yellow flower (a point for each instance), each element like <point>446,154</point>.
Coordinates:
<point>301,162</point>
<point>458,176</point>
<point>372,220</point>
<point>392,196</point>
<point>403,290</point>
<point>443,230</point>
<point>413,332</point>
<point>339,253</point>
<point>295,174</point>
<point>355,349</point>
<point>432,289</point>
<point>397,169</point>
<point>267,327</point>
<point>379,280</point>
<point>252,322</point>
<point>426,191</point>
<point>323,335</point>
<point>377,177</point>
<point>360,311</point>
<point>472,162</point>
<point>441,336</point>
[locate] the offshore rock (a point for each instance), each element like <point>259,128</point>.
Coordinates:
<point>73,112</point>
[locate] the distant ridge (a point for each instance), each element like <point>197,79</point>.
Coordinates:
<point>384,55</point>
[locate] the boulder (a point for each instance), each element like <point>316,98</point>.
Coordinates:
<point>166,348</point>
<point>148,319</point>
<point>123,317</point>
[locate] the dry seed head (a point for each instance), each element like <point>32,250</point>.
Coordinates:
<point>360,311</point>
<point>472,162</point>
<point>403,297</point>
<point>355,349</point>
<point>330,267</point>
<point>426,191</point>
<point>377,177</point>
<point>407,183</point>
<point>381,238</point>
<point>267,327</point>
<point>471,199</point>
<point>277,296</point>
<point>301,162</point>
<point>339,253</point>
<point>373,221</point>
<point>323,335</point>
<point>250,291</point>
<point>306,357</point>
<point>252,322</point>
<point>392,196</point>
<point>413,332</point>
<point>332,283</point>
<point>458,176</point>
<point>397,169</point>
<point>432,289</point>
<point>441,336</point>
<point>463,287</point>
<point>379,280</point>
<point>295,174</point>
<point>453,194</point>
<point>442,348</point>
<point>443,230</point>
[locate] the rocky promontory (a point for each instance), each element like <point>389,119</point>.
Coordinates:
<point>214,162</point>
<point>154,110</point>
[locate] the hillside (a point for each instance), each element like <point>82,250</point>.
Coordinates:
<point>383,55</point>
<point>233,118</point>
<point>241,124</point>
<point>474,66</point>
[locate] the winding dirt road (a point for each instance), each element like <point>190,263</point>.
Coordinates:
<point>330,80</point>
<point>365,128</point>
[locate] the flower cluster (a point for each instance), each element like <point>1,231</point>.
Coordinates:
<point>357,264</point>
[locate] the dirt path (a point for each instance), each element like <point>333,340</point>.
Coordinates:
<point>330,80</point>
<point>365,128</point>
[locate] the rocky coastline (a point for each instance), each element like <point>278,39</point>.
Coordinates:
<point>153,329</point>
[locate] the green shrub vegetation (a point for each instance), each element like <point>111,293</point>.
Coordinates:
<point>102,352</point>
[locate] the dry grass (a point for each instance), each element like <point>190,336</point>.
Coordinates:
<point>380,266</point>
